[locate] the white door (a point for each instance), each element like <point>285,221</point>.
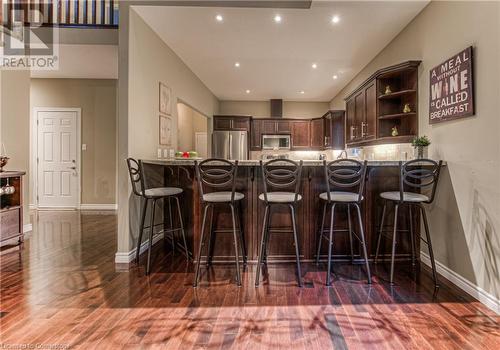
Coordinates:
<point>201,144</point>
<point>58,171</point>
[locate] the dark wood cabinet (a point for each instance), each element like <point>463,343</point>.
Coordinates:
<point>300,137</point>
<point>236,123</point>
<point>368,127</point>
<point>281,249</point>
<point>11,207</point>
<point>350,121</point>
<point>283,127</point>
<point>334,130</point>
<point>269,127</point>
<point>322,133</point>
<point>377,106</point>
<point>318,138</point>
<point>256,135</point>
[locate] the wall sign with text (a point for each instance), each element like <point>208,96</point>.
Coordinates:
<point>451,88</point>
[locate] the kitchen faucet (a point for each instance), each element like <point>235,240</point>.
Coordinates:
<point>340,156</point>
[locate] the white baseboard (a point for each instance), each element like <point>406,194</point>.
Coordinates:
<point>128,257</point>
<point>485,298</point>
<point>27,228</point>
<point>98,206</point>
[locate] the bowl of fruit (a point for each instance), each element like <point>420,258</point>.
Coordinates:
<point>186,155</point>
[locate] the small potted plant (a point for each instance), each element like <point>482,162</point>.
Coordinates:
<point>420,145</point>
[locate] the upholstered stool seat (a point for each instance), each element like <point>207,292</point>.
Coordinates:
<point>407,196</point>
<point>222,197</point>
<point>160,192</point>
<point>280,197</point>
<point>339,196</point>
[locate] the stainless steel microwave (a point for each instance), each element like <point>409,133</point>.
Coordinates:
<point>275,142</point>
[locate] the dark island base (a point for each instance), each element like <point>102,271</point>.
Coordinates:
<point>281,247</point>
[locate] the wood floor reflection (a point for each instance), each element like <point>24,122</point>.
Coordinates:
<point>63,289</point>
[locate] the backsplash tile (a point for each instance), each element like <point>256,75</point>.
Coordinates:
<point>401,151</point>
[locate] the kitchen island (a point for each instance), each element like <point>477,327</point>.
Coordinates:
<point>381,176</point>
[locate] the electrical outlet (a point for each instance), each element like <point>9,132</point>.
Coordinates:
<point>159,153</point>
<point>172,153</point>
<point>84,146</point>
<point>165,153</point>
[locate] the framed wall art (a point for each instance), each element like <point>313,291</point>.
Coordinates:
<point>165,130</point>
<point>452,88</point>
<point>165,99</point>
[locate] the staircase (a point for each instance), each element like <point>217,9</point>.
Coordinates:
<point>60,13</point>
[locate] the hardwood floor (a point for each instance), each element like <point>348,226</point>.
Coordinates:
<point>63,289</point>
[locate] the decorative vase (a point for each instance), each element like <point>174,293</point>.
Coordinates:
<point>388,90</point>
<point>394,131</point>
<point>421,152</point>
<point>407,108</point>
<point>3,162</point>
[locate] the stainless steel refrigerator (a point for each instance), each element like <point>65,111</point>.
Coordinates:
<point>230,144</point>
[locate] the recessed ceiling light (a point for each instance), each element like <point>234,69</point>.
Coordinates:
<point>247,91</point>
<point>302,92</point>
<point>335,77</point>
<point>219,18</point>
<point>237,64</point>
<point>314,65</point>
<point>277,18</point>
<point>335,19</point>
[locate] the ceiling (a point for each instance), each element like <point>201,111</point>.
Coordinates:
<point>276,58</point>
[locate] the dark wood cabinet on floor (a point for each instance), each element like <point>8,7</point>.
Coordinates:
<point>372,113</point>
<point>230,123</point>
<point>379,178</point>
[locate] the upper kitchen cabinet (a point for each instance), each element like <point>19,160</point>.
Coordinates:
<point>232,123</point>
<point>334,130</point>
<point>300,137</point>
<point>318,139</point>
<point>256,134</point>
<point>275,127</point>
<point>384,108</point>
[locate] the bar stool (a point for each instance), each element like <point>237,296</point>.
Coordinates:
<point>137,178</point>
<point>280,174</point>
<point>219,174</point>
<point>343,174</point>
<point>414,175</point>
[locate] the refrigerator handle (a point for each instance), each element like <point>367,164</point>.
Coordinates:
<point>230,146</point>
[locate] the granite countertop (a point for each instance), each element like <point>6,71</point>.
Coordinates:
<point>372,163</point>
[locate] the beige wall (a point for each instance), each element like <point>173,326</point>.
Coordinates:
<point>465,219</point>
<point>261,109</point>
<point>15,125</point>
<point>97,100</point>
<point>189,123</point>
<point>145,60</point>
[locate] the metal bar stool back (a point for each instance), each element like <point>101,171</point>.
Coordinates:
<point>140,189</point>
<point>345,183</point>
<point>283,177</point>
<point>418,180</point>
<point>217,185</point>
